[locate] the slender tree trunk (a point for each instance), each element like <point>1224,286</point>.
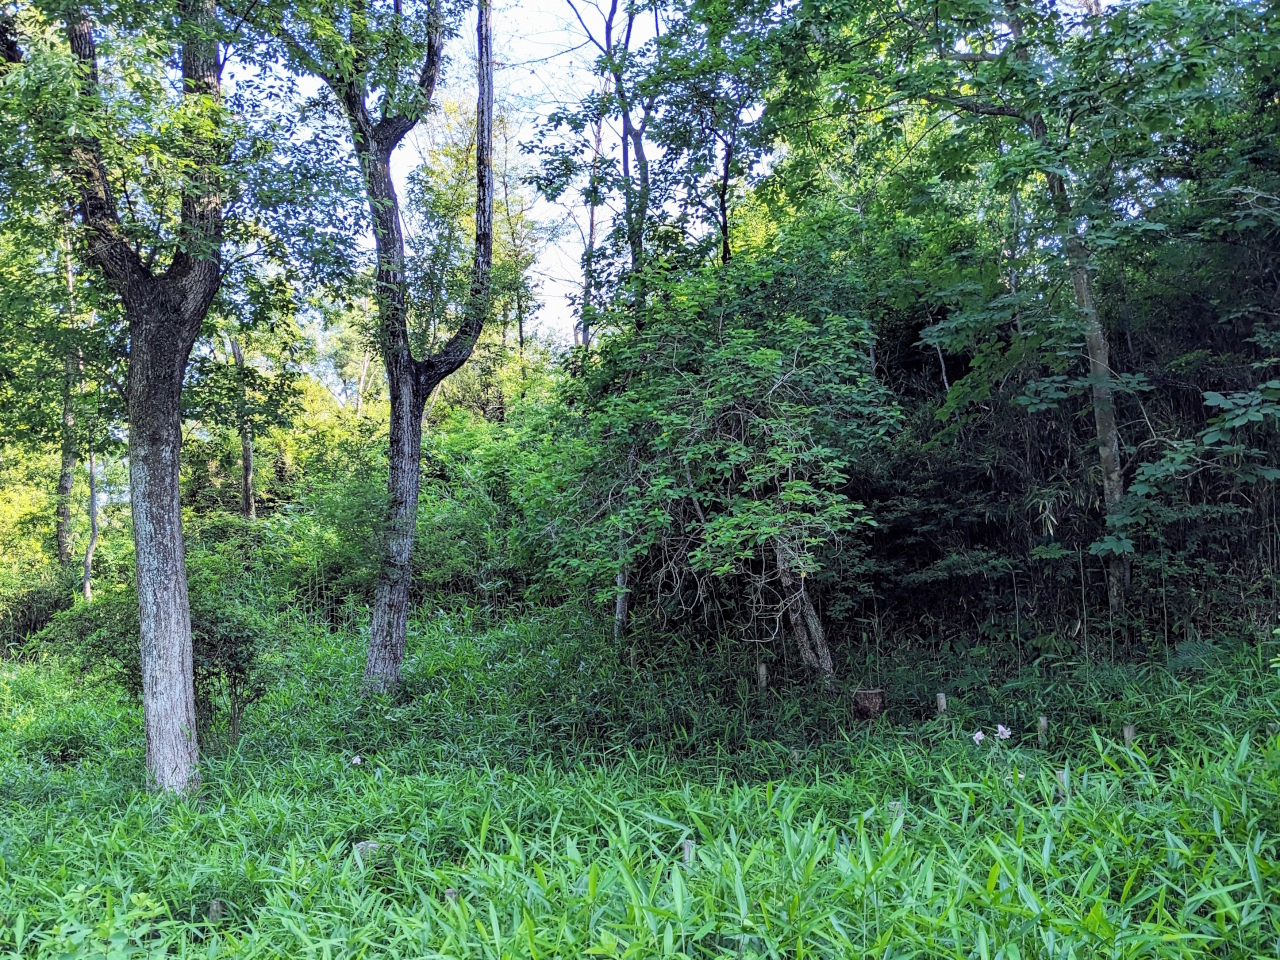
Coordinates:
<point>70,457</point>
<point>156,366</point>
<point>87,582</point>
<point>726,253</point>
<point>248,507</point>
<point>1104,409</point>
<point>520,328</point>
<point>1100,374</point>
<point>1101,390</point>
<point>360,385</point>
<point>622,605</point>
<point>70,453</point>
<point>589,254</point>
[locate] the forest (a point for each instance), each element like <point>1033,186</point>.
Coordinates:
<point>804,484</point>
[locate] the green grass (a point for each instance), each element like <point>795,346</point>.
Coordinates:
<point>531,797</point>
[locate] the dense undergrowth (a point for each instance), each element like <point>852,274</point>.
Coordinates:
<point>530,794</point>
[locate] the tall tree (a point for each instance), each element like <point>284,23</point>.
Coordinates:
<point>382,67</point>
<point>164,304</point>
<point>1080,102</point>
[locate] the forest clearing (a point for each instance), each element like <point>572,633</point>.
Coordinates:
<point>667,479</point>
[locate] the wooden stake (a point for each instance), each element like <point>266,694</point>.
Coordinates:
<point>686,849</point>
<point>762,677</point>
<point>1064,779</point>
<point>1042,731</point>
<point>942,704</point>
<point>1129,733</point>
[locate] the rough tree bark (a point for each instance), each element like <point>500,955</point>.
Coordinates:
<point>164,313</point>
<point>248,507</point>
<point>806,625</point>
<point>411,381</point>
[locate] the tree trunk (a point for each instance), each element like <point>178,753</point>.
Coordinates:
<point>360,385</point>
<point>391,599</point>
<point>87,584</point>
<point>165,312</point>
<point>1100,378</point>
<point>411,381</point>
<point>156,366</point>
<point>589,253</point>
<point>722,195</point>
<point>70,457</point>
<point>622,605</point>
<point>248,507</point>
<point>1102,396</point>
<point>806,625</point>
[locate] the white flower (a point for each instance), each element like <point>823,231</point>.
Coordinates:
<point>979,737</point>
<point>1003,732</point>
<point>356,760</point>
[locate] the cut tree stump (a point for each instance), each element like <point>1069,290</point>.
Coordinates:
<point>942,704</point>
<point>868,704</point>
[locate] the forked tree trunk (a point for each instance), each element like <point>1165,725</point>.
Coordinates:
<point>87,581</point>
<point>248,506</point>
<point>806,625</point>
<point>411,381</point>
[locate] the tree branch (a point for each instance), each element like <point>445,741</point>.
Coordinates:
<point>107,245</point>
<point>432,369</point>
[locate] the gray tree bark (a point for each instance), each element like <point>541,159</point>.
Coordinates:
<point>410,380</point>
<point>806,625</point>
<point>164,313</point>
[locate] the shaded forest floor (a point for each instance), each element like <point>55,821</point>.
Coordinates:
<point>529,795</point>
